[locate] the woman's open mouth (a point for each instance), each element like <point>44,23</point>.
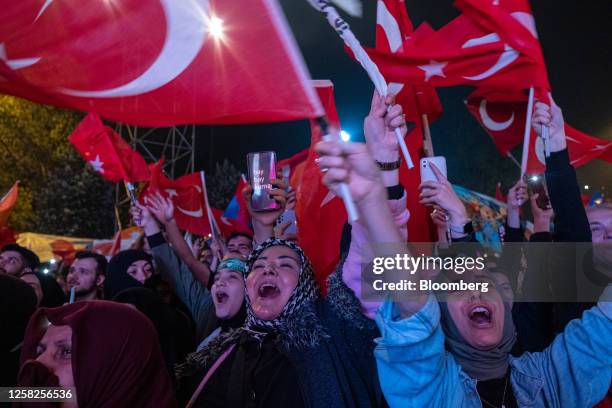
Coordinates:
<point>221,297</point>
<point>268,290</point>
<point>480,316</point>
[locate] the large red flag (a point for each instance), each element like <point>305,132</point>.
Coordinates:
<point>502,115</point>
<point>156,62</point>
<point>107,153</point>
<point>393,30</point>
<point>513,21</point>
<point>460,53</point>
<point>320,214</point>
<point>188,195</point>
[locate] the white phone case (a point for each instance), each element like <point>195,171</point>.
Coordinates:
<point>427,173</point>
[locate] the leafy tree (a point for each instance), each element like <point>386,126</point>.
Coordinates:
<point>34,149</point>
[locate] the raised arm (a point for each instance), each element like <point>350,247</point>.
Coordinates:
<point>263,221</point>
<point>571,223</point>
<point>379,129</point>
<point>163,210</point>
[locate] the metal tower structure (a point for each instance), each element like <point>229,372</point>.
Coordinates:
<point>175,144</point>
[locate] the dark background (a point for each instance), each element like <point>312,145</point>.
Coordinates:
<point>575,37</point>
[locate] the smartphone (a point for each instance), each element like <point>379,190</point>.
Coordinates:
<point>537,184</point>
<point>427,173</point>
<point>288,215</point>
<point>262,169</point>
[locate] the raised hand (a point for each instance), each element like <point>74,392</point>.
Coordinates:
<point>379,128</point>
<point>349,163</point>
<point>441,193</point>
<point>541,217</point>
<point>517,196</point>
<point>278,193</point>
<point>161,207</point>
<point>551,116</point>
<point>143,218</point>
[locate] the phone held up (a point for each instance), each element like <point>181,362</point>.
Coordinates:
<point>427,173</point>
<point>262,169</point>
<point>537,184</point>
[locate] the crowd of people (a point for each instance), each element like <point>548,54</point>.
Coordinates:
<point>243,323</point>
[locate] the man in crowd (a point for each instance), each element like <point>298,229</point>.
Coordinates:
<point>240,242</point>
<point>86,275</point>
<point>16,260</point>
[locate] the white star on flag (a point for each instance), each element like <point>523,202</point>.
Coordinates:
<point>434,68</point>
<point>97,165</point>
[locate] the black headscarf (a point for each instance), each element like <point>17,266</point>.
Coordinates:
<point>117,278</point>
<point>53,295</point>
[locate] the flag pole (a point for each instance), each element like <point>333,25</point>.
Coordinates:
<point>214,230</point>
<point>344,31</point>
<point>527,134</point>
<point>129,188</point>
<point>511,157</point>
<point>427,142</point>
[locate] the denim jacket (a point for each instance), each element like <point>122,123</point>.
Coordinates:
<point>416,371</point>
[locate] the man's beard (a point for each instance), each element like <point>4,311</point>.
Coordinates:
<point>80,293</point>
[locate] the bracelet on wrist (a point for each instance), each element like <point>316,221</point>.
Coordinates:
<point>390,166</point>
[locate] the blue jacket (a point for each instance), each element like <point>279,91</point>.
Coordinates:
<point>416,371</point>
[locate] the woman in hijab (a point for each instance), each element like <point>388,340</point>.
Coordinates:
<point>48,292</point>
<point>128,269</point>
<point>227,291</point>
<point>106,351</point>
<point>294,349</point>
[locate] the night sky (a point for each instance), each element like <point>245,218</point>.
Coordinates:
<point>575,37</point>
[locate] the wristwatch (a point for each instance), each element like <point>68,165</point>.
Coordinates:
<point>388,166</point>
<point>466,228</point>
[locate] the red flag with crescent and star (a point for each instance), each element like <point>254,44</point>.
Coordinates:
<point>188,196</point>
<point>502,115</point>
<point>461,53</point>
<point>107,153</point>
<point>156,62</point>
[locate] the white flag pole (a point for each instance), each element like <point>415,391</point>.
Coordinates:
<point>527,134</point>
<point>344,31</point>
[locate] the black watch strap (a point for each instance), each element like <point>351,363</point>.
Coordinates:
<point>395,192</point>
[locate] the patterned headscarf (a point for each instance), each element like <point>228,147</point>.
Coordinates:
<point>297,326</point>
<point>306,290</point>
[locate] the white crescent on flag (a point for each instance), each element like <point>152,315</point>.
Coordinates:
<point>489,122</point>
<point>183,19</point>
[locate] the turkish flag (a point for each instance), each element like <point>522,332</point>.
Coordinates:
<point>513,21</point>
<point>7,203</point>
<point>393,30</point>
<point>320,214</point>
<point>106,152</point>
<point>188,196</point>
<point>503,114</point>
<point>460,53</point>
<point>156,62</point>
<point>581,147</point>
